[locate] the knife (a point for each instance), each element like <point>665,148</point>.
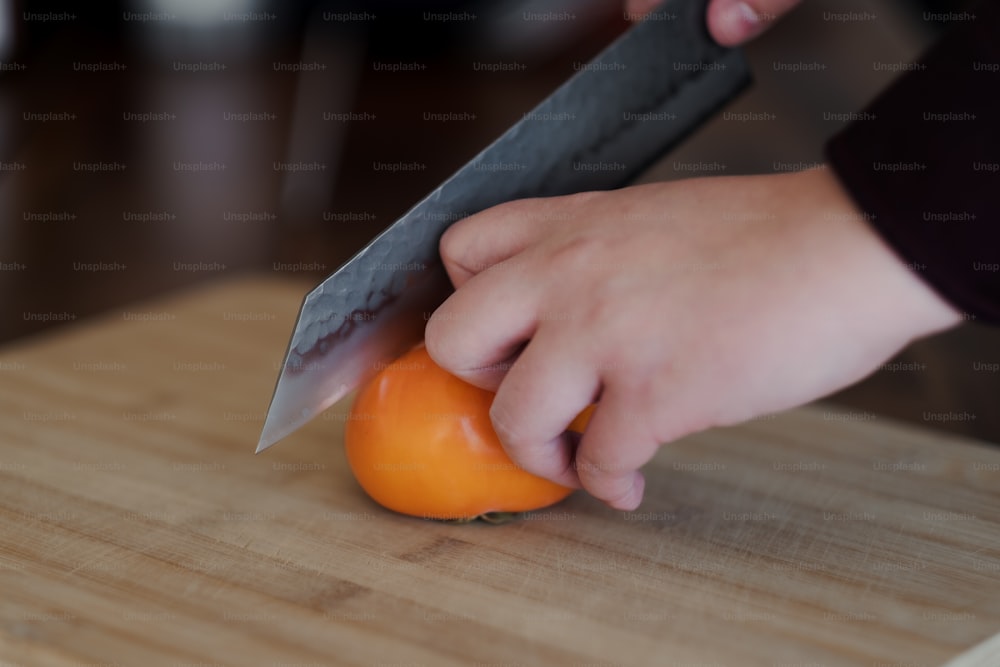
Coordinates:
<point>641,96</point>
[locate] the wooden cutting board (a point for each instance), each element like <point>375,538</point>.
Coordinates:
<point>138,528</point>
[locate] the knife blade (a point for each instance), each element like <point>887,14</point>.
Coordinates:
<point>642,95</point>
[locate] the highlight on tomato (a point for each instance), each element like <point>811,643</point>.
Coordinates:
<point>419,441</point>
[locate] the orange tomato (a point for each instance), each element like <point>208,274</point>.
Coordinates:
<point>420,442</point>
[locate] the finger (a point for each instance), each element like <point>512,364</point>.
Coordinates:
<point>497,234</point>
<point>546,388</point>
<point>733,22</point>
<point>478,331</point>
<point>613,448</point>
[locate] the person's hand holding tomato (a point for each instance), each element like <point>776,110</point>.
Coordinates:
<point>674,307</point>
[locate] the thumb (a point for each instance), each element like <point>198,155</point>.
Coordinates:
<point>733,22</point>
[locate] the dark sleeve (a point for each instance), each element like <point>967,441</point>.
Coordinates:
<point>923,163</point>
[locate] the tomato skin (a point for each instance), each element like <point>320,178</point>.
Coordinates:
<point>420,442</point>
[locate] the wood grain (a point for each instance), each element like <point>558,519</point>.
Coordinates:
<point>138,528</point>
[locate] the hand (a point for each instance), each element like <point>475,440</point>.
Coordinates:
<point>731,22</point>
<point>675,307</point>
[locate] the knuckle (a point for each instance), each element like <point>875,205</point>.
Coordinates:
<point>436,342</point>
<point>513,441</point>
<point>452,245</point>
<point>601,471</point>
<point>620,495</point>
<point>433,350</point>
<point>578,254</point>
<point>578,199</point>
<point>609,487</point>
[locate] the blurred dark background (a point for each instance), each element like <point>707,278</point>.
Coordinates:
<point>149,145</point>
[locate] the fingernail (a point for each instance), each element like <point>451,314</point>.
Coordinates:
<point>738,22</point>
<point>745,14</point>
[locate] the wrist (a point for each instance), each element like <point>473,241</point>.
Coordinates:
<point>906,302</point>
